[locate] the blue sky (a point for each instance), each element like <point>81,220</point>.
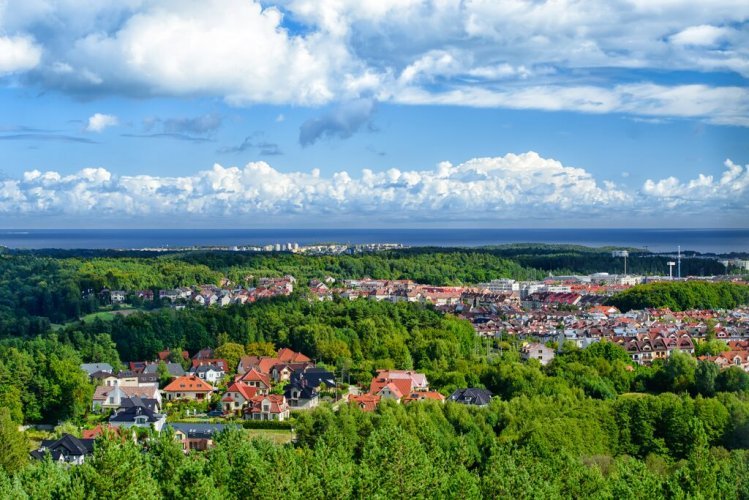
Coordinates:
<point>381,113</point>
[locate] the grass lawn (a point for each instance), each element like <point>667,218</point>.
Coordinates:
<point>278,436</point>
<point>102,315</point>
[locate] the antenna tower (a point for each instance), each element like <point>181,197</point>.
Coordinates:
<point>678,259</point>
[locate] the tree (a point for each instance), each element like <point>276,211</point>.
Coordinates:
<point>705,377</point>
<point>231,352</point>
<point>14,444</point>
<point>732,379</point>
<point>679,371</point>
<point>260,349</point>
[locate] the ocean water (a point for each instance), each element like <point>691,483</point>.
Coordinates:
<point>657,240</point>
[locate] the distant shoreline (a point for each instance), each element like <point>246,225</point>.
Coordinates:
<point>717,241</point>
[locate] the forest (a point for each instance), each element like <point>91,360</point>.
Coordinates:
<point>680,296</point>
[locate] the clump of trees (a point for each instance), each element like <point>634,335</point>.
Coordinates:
<point>680,296</point>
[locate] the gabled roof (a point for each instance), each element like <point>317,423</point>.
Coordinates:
<point>277,404</point>
<point>254,375</point>
<point>92,368</point>
<point>210,361</point>
<point>244,390</point>
<point>422,395</point>
<point>188,383</point>
<point>129,414</point>
<point>286,355</point>
<point>397,388</point>
<point>366,402</point>
<point>471,396</point>
<point>200,431</point>
<point>174,369</point>
<point>68,445</point>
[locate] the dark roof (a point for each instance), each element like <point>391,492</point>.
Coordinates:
<point>305,392</point>
<point>149,403</point>
<point>471,396</point>
<point>129,414</point>
<point>200,431</point>
<point>312,377</point>
<point>67,445</point>
<point>174,369</point>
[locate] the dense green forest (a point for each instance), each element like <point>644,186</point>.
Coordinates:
<point>577,259</point>
<point>680,296</point>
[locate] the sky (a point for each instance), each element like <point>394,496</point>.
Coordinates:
<point>374,113</point>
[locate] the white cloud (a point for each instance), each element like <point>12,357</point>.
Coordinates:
<point>514,53</point>
<point>731,189</point>
<point>703,35</point>
<point>511,187</point>
<point>98,122</point>
<point>18,53</point>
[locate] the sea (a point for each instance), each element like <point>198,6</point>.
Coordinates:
<point>719,241</point>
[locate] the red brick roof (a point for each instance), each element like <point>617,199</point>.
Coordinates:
<point>366,402</point>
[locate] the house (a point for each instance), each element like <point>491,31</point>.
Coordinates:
<point>68,449</point>
<point>137,416</point>
<point>117,296</point>
<point>312,376</point>
<point>91,368</point>
<point>534,350</point>
<point>174,369</point>
<point>170,295</point>
<point>206,353</point>
<point>395,389</point>
<point>130,378</point>
<point>255,378</point>
<point>187,387</point>
<point>196,437</point>
<point>221,363</point>
<point>365,402</point>
<point>210,373</point>
<point>471,396</point>
<point>423,396</point>
<point>300,397</point>
<point>286,355</point>
<point>150,403</point>
<point>111,396</point>
<point>394,384</point>
<point>237,397</point>
<point>268,407</point>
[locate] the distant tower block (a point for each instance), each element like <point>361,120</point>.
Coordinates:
<point>624,254</point>
<point>671,265</point>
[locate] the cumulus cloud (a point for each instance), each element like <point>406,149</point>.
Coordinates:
<point>98,122</point>
<point>509,187</point>
<point>342,122</point>
<point>516,53</point>
<point>18,53</point>
<point>731,189</point>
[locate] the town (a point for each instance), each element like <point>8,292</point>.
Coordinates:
<point>198,395</point>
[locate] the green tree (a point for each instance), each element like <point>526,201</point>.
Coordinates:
<point>15,445</point>
<point>231,352</point>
